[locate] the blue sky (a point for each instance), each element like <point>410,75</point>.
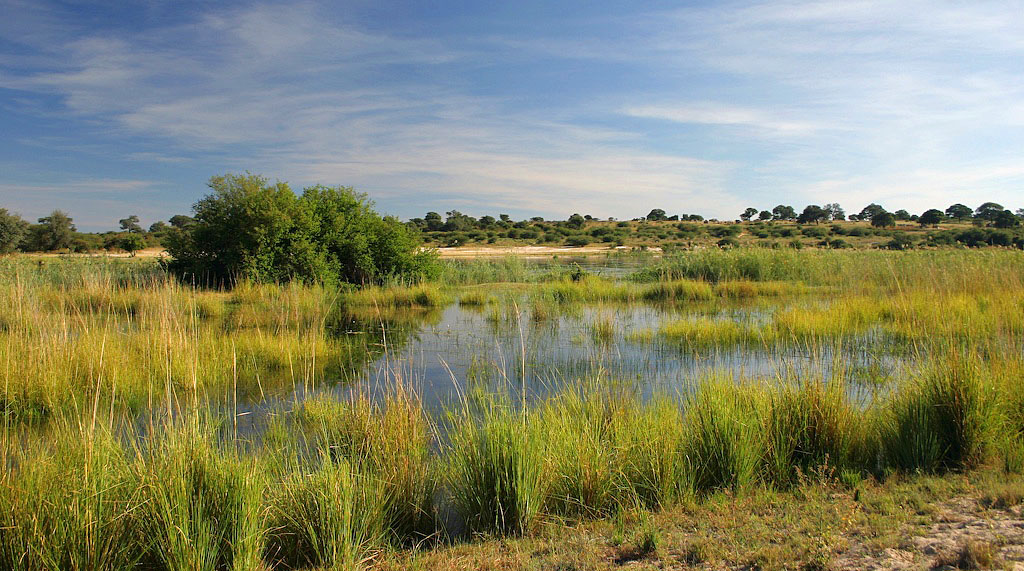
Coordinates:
<point>527,108</point>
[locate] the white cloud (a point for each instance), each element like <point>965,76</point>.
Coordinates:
<point>906,102</point>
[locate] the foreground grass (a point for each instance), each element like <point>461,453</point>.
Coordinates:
<point>348,483</point>
<point>808,527</point>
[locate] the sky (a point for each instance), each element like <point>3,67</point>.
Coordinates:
<point>608,108</point>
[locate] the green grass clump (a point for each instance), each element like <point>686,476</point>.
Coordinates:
<point>602,329</point>
<point>705,332</point>
<point>809,427</point>
<point>475,298</point>
<point>330,517</point>
<point>677,290</point>
<point>944,420</point>
<point>76,505</point>
<point>390,444</point>
<point>496,468</point>
<point>723,443</point>
<point>204,507</point>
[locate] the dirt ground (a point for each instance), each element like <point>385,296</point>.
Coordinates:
<point>965,535</point>
<point>530,251</point>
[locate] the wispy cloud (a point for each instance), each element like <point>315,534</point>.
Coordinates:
<point>707,108</point>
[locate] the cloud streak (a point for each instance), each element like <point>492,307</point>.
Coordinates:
<point>708,108</point>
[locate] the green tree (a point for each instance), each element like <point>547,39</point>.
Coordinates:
<point>901,214</point>
<point>12,230</point>
<point>883,219</point>
<point>835,212</point>
<point>358,245</point>
<point>870,211</point>
<point>131,224</point>
<point>959,212</point>
<point>246,229</point>
<point>132,243</point>
<point>56,232</point>
<point>783,212</point>
<point>764,215</point>
<point>181,221</point>
<point>812,214</point>
<point>989,211</point>
<point>434,221</point>
<point>576,221</point>
<point>931,217</point>
<point>657,214</point>
<point>748,214</point>
<point>1006,219</point>
<point>458,222</point>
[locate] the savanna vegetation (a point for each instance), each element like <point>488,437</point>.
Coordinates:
<point>321,223</point>
<point>300,386</point>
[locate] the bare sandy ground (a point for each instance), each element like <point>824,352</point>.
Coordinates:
<point>530,251</point>
<point>147,253</point>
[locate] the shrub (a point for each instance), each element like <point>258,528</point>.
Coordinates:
<point>249,229</point>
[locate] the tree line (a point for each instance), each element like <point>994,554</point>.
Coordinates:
<point>249,228</point>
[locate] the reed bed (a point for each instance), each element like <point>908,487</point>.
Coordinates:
<point>121,445</point>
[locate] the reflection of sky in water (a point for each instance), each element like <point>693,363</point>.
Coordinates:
<point>468,349</point>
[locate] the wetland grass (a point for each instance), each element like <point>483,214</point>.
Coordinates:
<point>119,449</point>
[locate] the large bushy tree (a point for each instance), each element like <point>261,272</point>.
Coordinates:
<point>250,229</point>
<point>12,229</point>
<point>55,232</point>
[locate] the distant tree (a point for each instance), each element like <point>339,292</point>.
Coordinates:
<point>434,221</point>
<point>575,221</point>
<point>504,218</point>
<point>181,221</point>
<point>657,214</point>
<point>486,221</point>
<point>536,219</point>
<point>12,230</point>
<point>812,214</point>
<point>458,222</point>
<point>959,212</point>
<point>57,231</point>
<point>1006,219</point>
<point>132,243</point>
<point>988,211</point>
<point>883,219</point>
<point>764,215</point>
<point>131,224</point>
<point>931,217</point>
<point>158,227</point>
<point>1020,212</point>
<point>901,214</point>
<point>870,211</point>
<point>835,212</point>
<point>748,214</point>
<point>783,212</point>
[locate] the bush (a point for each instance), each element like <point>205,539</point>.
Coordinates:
<point>249,229</point>
<point>578,240</point>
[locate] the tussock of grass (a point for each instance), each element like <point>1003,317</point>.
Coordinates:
<point>332,517</point>
<point>475,298</point>
<point>677,290</point>
<point>944,420</point>
<point>809,427</point>
<point>724,444</point>
<point>496,469</point>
